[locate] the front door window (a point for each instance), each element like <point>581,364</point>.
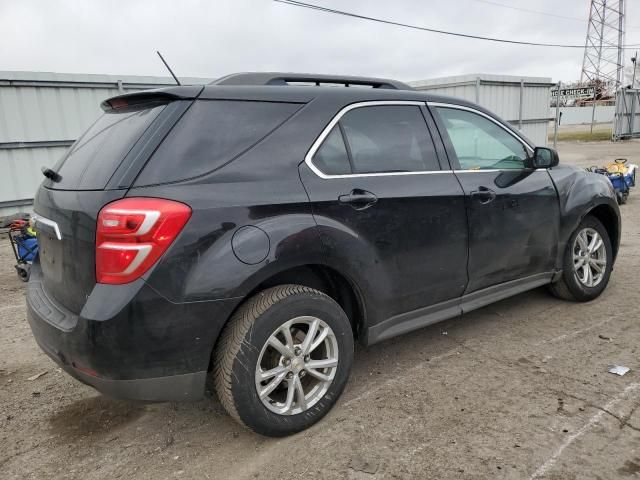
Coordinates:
<point>481,144</point>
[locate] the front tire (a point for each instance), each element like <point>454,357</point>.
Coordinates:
<point>587,264</point>
<point>283,360</point>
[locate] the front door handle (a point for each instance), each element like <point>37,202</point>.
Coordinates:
<point>358,199</point>
<point>484,195</point>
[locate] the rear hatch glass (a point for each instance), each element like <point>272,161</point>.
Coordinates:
<point>67,251</point>
<point>211,134</point>
<point>94,157</point>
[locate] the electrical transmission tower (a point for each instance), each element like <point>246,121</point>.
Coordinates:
<point>604,47</point>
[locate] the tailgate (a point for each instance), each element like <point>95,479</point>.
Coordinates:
<point>66,224</point>
<point>97,169</point>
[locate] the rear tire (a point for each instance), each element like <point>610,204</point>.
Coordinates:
<point>576,283</point>
<point>248,356</point>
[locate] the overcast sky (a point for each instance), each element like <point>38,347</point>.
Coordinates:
<point>214,38</point>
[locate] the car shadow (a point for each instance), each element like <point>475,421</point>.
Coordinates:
<point>201,421</point>
<point>97,416</point>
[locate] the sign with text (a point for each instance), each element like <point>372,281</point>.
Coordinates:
<point>574,92</point>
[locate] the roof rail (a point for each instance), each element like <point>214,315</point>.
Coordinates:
<point>281,78</point>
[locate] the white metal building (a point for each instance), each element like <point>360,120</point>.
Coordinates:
<point>41,114</point>
<point>521,101</point>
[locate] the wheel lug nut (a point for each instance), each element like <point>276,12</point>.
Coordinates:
<point>303,373</point>
<point>307,358</point>
<point>289,375</point>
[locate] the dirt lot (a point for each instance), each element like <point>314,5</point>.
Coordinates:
<point>518,389</point>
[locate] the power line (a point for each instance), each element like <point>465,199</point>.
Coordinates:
<point>311,6</point>
<point>539,12</point>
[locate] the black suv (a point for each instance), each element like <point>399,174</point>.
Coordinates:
<point>251,229</point>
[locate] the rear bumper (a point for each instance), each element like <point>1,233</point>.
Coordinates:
<point>128,341</point>
<point>172,388</point>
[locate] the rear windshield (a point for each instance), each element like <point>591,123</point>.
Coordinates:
<point>211,134</point>
<point>94,157</point>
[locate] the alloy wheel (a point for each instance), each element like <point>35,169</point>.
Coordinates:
<point>589,257</point>
<point>296,366</point>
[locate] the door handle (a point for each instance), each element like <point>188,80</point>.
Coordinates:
<point>358,199</point>
<point>484,195</point>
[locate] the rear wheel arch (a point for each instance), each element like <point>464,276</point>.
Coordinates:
<point>326,280</point>
<point>319,277</point>
<point>253,344</point>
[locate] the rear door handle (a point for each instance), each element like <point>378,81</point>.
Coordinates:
<point>484,195</point>
<point>358,199</point>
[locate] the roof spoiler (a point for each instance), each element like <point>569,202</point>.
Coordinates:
<point>280,78</point>
<point>159,95</point>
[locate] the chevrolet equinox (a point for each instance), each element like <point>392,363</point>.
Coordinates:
<point>250,230</point>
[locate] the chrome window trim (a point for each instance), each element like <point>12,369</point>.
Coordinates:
<point>316,144</point>
<point>482,114</point>
<point>325,132</point>
<point>479,170</point>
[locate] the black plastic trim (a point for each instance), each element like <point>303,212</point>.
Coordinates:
<point>172,388</point>
<point>54,314</point>
<point>407,322</point>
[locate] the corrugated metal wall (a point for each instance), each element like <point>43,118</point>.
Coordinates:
<point>582,115</point>
<point>522,101</point>
<point>41,114</point>
<point>626,123</point>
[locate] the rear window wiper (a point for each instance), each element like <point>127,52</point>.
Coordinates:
<point>51,174</point>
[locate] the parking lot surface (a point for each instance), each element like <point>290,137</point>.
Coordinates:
<point>516,390</point>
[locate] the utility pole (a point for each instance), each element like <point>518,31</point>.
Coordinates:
<point>604,46</point>
<point>603,61</point>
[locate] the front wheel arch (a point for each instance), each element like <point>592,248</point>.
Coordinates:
<point>568,286</point>
<point>610,220</point>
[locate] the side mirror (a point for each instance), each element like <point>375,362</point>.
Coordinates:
<point>544,157</point>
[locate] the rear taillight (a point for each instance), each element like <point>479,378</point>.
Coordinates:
<point>133,233</point>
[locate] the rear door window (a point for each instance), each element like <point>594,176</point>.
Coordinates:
<point>389,138</point>
<point>211,134</point>
<point>93,158</point>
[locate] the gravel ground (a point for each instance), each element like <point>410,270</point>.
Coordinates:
<point>518,389</point>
